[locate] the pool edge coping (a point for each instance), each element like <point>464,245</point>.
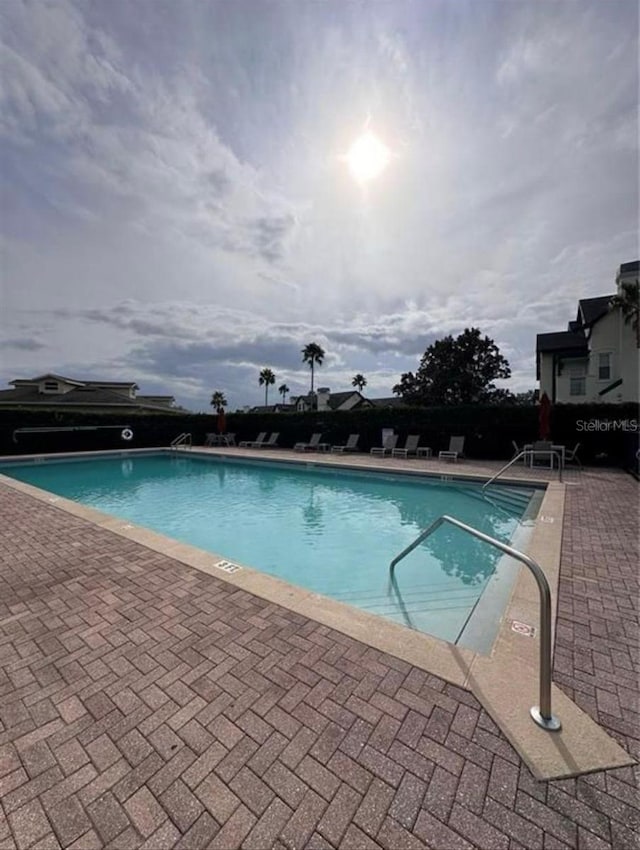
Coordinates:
<point>503,681</point>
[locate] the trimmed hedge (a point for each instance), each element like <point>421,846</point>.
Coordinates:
<point>488,430</point>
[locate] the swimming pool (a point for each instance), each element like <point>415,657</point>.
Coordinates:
<point>331,530</point>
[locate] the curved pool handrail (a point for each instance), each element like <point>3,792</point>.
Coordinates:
<point>524,453</point>
<point>542,714</point>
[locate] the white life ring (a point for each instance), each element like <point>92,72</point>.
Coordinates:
<point>127,434</point>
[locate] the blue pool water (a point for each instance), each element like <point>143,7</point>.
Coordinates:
<point>331,531</point>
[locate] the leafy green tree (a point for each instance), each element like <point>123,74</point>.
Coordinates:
<point>526,399</point>
<point>456,371</point>
<point>267,378</point>
<point>218,400</point>
<point>313,354</point>
<point>283,389</point>
<point>501,398</point>
<point>628,300</point>
<point>359,381</point>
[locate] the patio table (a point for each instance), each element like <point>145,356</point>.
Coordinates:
<point>530,456</point>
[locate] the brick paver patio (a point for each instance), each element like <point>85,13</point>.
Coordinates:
<point>146,704</point>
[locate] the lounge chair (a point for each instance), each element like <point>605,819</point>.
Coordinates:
<point>455,450</point>
<point>350,446</point>
<point>516,451</point>
<point>388,446</point>
<point>311,446</point>
<point>271,443</point>
<point>410,447</point>
<point>229,439</point>
<point>262,436</point>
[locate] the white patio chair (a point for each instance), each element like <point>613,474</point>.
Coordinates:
<point>455,450</point>
<point>572,456</point>
<point>350,446</point>
<point>262,436</point>
<point>389,446</point>
<point>410,447</point>
<point>311,446</point>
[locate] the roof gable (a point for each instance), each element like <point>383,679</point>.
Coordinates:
<point>338,399</point>
<point>48,376</point>
<point>590,310</point>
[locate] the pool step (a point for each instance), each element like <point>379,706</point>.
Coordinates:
<point>512,499</point>
<point>515,500</point>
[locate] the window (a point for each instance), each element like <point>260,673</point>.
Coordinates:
<point>577,386</point>
<point>51,386</point>
<point>604,367</point>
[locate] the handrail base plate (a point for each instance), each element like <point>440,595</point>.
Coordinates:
<point>551,724</point>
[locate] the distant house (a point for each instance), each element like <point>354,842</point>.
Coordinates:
<point>393,401</point>
<point>596,360</point>
<point>325,400</point>
<point>52,391</point>
<point>271,408</point>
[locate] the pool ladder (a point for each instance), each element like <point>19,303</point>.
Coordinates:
<point>182,441</point>
<point>542,714</point>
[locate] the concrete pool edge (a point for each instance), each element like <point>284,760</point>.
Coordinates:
<point>506,683</point>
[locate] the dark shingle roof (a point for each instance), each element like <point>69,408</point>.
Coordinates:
<point>390,401</point>
<point>336,399</point>
<point>51,376</point>
<point>592,309</point>
<point>627,268</point>
<point>85,396</point>
<point>562,341</point>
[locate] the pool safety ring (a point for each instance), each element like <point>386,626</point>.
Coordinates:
<point>127,434</point>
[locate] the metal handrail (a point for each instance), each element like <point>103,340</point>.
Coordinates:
<point>183,439</point>
<point>524,453</point>
<point>541,714</point>
<point>62,428</point>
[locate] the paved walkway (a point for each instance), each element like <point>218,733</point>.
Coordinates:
<point>146,704</point>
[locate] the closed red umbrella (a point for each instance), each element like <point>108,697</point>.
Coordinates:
<point>544,417</point>
<point>222,421</point>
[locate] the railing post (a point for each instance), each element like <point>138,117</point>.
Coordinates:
<point>541,714</point>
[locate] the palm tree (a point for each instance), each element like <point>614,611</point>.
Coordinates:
<point>628,300</point>
<point>218,400</point>
<point>359,381</point>
<point>283,389</point>
<point>312,354</point>
<point>267,378</point>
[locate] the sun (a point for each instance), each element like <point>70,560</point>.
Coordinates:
<point>367,157</point>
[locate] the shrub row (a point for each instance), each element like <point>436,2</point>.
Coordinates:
<point>488,430</point>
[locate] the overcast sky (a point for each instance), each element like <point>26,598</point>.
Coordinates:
<point>177,207</point>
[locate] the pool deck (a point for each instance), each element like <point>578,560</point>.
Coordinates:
<point>147,703</point>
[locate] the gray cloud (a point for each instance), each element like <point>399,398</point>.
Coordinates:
<point>22,344</point>
<point>179,209</point>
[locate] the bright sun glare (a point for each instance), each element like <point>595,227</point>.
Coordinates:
<point>367,157</point>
